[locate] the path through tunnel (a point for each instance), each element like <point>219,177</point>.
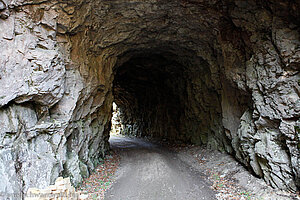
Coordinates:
<point>166,94</point>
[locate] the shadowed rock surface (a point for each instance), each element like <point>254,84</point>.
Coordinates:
<point>220,73</point>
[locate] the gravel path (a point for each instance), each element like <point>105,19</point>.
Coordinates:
<point>152,172</point>
<point>140,170</point>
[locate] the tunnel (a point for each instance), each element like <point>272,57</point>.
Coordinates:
<point>167,94</point>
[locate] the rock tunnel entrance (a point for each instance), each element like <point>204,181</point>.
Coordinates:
<point>224,74</point>
<point>166,95</point>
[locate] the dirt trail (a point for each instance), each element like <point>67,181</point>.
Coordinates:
<point>148,171</point>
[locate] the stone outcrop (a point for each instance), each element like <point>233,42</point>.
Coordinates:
<point>221,74</point>
<point>62,189</point>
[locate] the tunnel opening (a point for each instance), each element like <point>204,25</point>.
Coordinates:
<point>116,124</point>
<point>168,96</point>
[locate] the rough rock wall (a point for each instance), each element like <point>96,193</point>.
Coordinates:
<point>32,81</point>
<point>54,116</point>
<point>267,140</point>
<point>59,59</point>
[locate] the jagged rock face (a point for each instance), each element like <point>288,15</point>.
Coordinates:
<point>223,74</point>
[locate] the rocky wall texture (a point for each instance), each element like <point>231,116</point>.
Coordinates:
<point>54,120</point>
<point>219,73</point>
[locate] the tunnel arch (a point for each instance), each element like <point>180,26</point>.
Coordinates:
<point>155,92</point>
